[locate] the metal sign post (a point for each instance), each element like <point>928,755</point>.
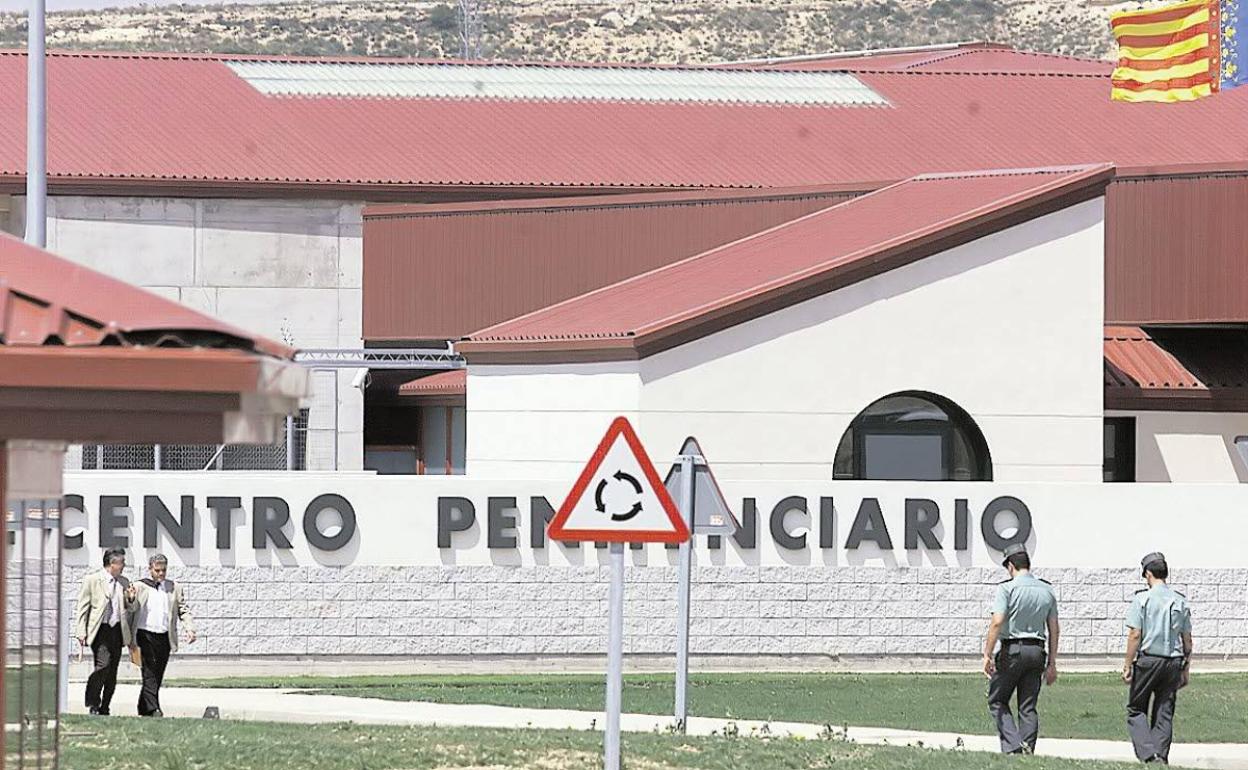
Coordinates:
<point>617,499</point>
<point>683,589</point>
<point>615,659</point>
<point>703,509</point>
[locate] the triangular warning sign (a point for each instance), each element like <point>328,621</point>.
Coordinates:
<point>711,515</point>
<point>619,497</point>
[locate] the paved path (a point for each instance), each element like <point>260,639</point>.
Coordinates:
<point>293,706</point>
<point>221,666</point>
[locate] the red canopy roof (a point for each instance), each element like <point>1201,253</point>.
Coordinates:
<point>449,383</point>
<point>1178,368</point>
<point>47,300</point>
<point>85,357</point>
<point>147,119</point>
<point>795,261</point>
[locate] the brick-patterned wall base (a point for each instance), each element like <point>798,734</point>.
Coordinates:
<point>782,610</point>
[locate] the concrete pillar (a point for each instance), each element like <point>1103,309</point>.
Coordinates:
<point>34,469</point>
<point>350,421</point>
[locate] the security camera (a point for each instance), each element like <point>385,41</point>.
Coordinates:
<point>360,380</point>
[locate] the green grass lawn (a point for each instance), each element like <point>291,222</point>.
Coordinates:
<point>1213,709</point>
<point>196,744</point>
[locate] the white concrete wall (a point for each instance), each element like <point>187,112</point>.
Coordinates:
<point>1188,446</point>
<point>289,270</point>
<point>1009,327</point>
<point>539,422</point>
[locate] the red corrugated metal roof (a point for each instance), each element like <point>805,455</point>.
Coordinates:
<point>450,383</point>
<point>444,270</point>
<point>150,119</point>
<point>789,263</point>
<point>1176,359</point>
<point>46,300</point>
<point>1176,368</point>
<point>1133,360</point>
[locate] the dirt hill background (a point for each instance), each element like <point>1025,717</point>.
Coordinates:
<point>657,31</point>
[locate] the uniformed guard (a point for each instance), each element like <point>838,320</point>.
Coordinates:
<point>1159,650</point>
<point>1024,616</point>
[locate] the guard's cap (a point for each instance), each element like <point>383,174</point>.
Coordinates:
<point>1012,549</point>
<point>1152,557</point>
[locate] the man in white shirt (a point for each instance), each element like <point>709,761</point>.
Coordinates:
<point>105,606</point>
<point>160,608</point>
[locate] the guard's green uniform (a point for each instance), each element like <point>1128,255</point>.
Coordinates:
<point>1162,616</point>
<point>1027,603</point>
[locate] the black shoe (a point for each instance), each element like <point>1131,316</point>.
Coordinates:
<point>93,711</point>
<point>157,713</point>
<point>1156,759</point>
<point>104,712</point>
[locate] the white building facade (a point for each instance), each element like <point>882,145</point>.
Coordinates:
<point>1000,330</point>
<point>772,397</point>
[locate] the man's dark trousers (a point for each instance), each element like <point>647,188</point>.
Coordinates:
<point>106,647</point>
<point>155,651</point>
<point>1020,668</point>
<point>1156,679</point>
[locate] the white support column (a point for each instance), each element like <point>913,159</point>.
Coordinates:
<point>36,128</point>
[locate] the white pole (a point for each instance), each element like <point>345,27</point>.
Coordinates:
<point>36,128</point>
<point>337,406</point>
<point>684,570</point>
<point>615,659</point>
<point>62,684</point>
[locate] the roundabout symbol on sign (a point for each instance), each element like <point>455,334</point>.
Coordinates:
<point>602,487</point>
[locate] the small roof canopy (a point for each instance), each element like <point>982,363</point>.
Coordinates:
<point>85,357</point>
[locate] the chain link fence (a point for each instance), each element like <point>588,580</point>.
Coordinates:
<point>289,454</point>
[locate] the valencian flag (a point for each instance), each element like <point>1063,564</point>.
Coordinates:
<point>1180,52</point>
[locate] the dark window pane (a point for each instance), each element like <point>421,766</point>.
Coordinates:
<point>902,456</point>
<point>916,437</point>
<point>1119,454</point>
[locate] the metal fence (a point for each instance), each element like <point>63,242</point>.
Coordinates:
<point>311,440</point>
<point>289,454</point>
<point>32,564</point>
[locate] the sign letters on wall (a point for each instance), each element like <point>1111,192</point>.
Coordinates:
<point>270,518</point>
<point>328,523</point>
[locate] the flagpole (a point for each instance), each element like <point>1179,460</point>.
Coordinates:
<point>36,127</point>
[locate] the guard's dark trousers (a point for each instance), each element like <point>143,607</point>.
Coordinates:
<point>154,649</point>
<point>1151,725</point>
<point>106,647</point>
<point>1020,668</point>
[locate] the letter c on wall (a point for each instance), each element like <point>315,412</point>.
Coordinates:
<point>782,536</point>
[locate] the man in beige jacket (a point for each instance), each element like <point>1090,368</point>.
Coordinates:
<point>105,605</point>
<point>160,607</point>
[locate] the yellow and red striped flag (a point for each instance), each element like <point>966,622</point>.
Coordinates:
<point>1168,53</point>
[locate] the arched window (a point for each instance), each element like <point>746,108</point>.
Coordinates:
<point>913,436</point>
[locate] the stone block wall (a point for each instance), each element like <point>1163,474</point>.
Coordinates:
<point>30,608</point>
<point>749,611</point>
